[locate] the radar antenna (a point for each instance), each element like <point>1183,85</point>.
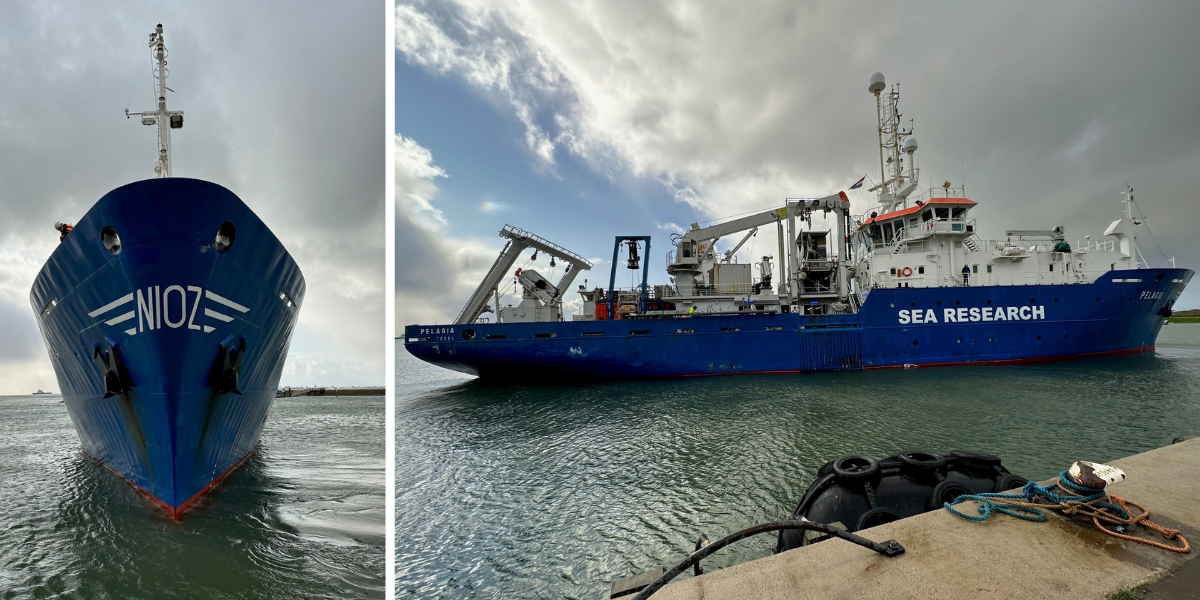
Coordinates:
<point>166,120</point>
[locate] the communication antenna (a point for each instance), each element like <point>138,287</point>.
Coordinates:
<point>166,120</point>
<point>893,190</point>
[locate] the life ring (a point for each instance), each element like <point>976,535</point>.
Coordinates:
<point>906,271</point>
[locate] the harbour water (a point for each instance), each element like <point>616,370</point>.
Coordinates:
<point>303,518</point>
<point>557,490</point>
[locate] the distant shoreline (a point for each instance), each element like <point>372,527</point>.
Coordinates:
<point>293,392</point>
<point>1185,316</point>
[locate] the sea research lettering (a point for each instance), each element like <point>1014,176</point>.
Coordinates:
<point>919,316</point>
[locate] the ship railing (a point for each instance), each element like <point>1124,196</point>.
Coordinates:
<point>958,225</point>
<point>661,292</point>
<point>982,278</point>
<point>920,230</point>
<point>1098,246</point>
<point>941,192</point>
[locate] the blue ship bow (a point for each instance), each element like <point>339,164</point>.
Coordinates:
<point>167,313</point>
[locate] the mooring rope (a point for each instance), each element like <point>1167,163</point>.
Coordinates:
<point>1071,499</point>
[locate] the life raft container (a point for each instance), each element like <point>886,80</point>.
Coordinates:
<point>857,492</point>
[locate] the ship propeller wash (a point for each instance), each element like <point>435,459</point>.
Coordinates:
<point>167,312</point>
<point>908,284</point>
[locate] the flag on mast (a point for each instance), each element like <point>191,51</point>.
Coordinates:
<point>858,184</point>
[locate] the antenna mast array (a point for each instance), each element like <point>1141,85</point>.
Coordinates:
<point>893,189</point>
<point>165,119</point>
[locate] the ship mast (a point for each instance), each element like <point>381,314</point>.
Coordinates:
<point>893,189</point>
<point>166,120</point>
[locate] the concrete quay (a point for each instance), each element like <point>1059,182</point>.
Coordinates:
<point>950,557</point>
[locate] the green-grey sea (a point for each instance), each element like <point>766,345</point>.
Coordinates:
<point>303,518</point>
<point>557,490</point>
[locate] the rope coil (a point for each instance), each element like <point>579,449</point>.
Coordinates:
<point>1071,499</point>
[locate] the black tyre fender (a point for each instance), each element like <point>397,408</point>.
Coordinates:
<point>876,516</point>
<point>1010,482</point>
<point>944,492</point>
<point>915,459</point>
<point>855,467</point>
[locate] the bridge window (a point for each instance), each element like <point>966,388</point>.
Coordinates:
<point>942,213</point>
<point>959,212</point>
<point>927,215</point>
<point>912,222</point>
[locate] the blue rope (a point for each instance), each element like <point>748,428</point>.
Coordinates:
<point>995,502</point>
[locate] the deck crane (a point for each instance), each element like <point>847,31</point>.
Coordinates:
<point>694,249</point>
<point>518,241</point>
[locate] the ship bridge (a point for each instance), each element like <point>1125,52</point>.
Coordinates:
<point>938,215</point>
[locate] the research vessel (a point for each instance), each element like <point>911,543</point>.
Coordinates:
<point>908,284</point>
<point>167,313</point>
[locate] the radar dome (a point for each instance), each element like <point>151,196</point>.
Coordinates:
<point>877,84</point>
<point>910,145</point>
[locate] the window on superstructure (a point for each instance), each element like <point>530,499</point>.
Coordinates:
<point>921,270</point>
<point>912,222</point>
<point>974,268</point>
<point>942,213</point>
<point>1051,268</point>
<point>927,215</point>
<point>959,212</point>
<point>989,269</point>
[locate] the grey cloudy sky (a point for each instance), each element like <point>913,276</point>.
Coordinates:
<point>1046,110</point>
<point>284,105</point>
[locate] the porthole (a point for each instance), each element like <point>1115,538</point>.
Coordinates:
<point>991,340</point>
<point>225,237</point>
<point>1158,277</point>
<point>1032,301</point>
<point>989,301</point>
<point>1039,337</point>
<point>1056,299</point>
<point>1097,298</point>
<point>112,241</point>
<point>1066,335</point>
<point>939,302</point>
<point>960,340</point>
<point>912,303</point>
<point>914,342</point>
<point>468,334</point>
<point>957,302</point>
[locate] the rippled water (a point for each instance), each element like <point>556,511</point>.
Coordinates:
<point>303,518</point>
<point>558,490</point>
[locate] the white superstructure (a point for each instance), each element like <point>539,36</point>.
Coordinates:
<point>931,240</point>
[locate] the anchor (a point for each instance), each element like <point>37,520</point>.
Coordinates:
<point>228,364</point>
<point>116,378</point>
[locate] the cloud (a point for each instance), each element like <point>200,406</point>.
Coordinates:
<point>732,108</point>
<point>302,145</point>
<point>435,270</point>
<point>518,75</point>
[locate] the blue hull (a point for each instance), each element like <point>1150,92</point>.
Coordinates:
<point>1118,313</point>
<point>169,352</point>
